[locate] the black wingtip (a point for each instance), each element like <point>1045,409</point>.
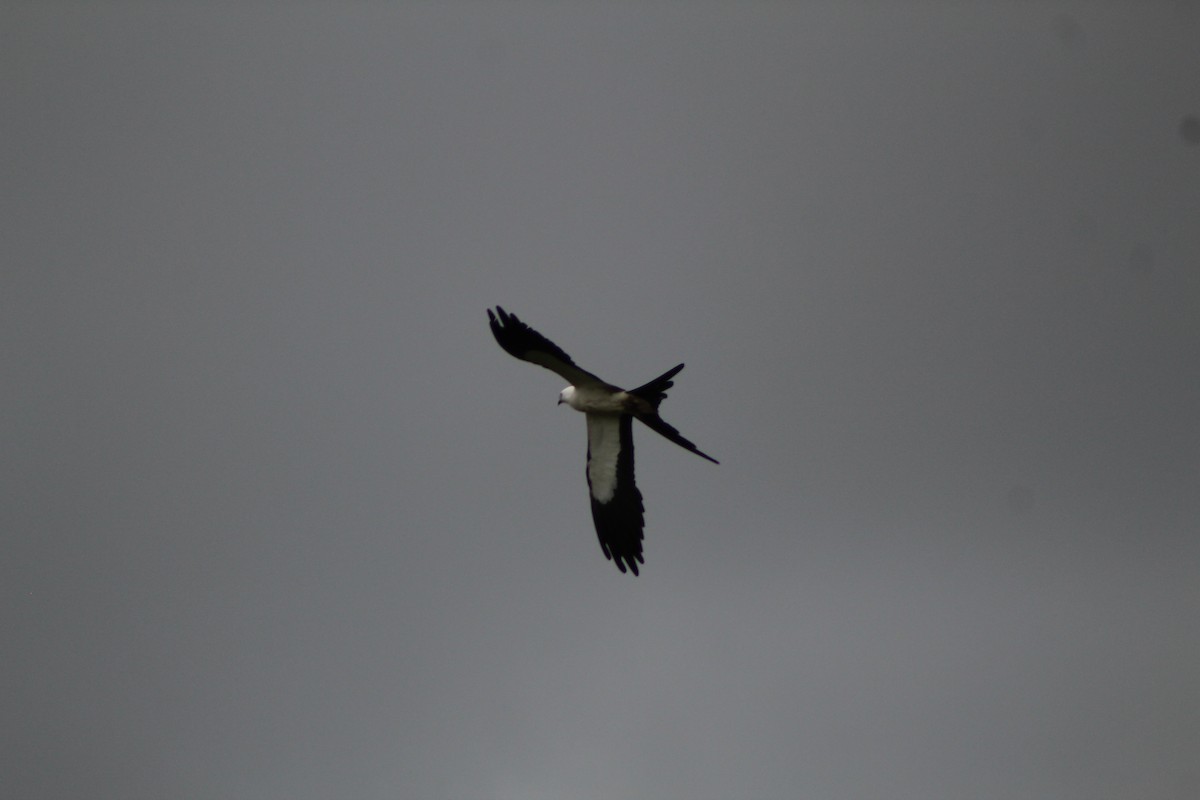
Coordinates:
<point>622,559</point>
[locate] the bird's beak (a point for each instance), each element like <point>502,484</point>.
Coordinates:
<point>560,402</point>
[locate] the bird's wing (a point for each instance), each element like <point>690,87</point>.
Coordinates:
<point>616,501</point>
<point>656,423</point>
<point>522,341</point>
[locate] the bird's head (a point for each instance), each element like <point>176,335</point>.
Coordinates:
<point>565,395</point>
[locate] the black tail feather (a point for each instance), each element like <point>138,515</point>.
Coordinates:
<point>655,391</point>
<point>656,423</point>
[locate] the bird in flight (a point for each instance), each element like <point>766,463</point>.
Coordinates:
<point>616,502</point>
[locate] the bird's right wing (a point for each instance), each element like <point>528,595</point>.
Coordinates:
<point>523,342</point>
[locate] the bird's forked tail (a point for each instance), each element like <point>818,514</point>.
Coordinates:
<point>655,391</point>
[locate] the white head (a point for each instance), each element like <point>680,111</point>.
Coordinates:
<point>565,395</point>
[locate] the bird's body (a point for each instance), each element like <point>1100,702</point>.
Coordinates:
<point>616,502</point>
<point>597,400</point>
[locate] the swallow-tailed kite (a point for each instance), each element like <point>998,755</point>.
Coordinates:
<point>616,501</point>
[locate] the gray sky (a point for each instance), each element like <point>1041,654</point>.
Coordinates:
<point>282,521</point>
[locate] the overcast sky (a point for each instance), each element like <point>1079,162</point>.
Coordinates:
<point>280,520</point>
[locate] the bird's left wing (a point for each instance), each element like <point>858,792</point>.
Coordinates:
<point>522,341</point>
<point>616,502</point>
